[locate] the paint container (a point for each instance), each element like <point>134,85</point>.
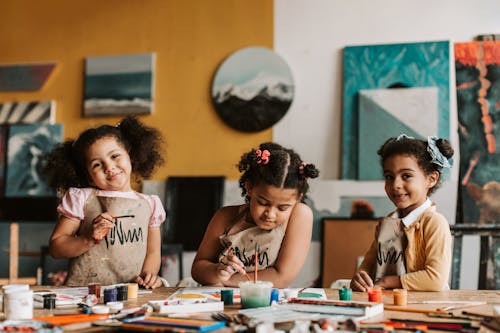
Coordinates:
<point>49,301</point>
<point>255,294</point>
<point>291,293</point>
<point>95,289</point>
<point>133,289</point>
<point>114,307</point>
<point>226,296</point>
<point>11,287</point>
<point>275,296</point>
<point>18,304</point>
<point>345,294</point>
<point>375,295</point>
<point>110,295</point>
<point>122,292</point>
<point>400,296</point>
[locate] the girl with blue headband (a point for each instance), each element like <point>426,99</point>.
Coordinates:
<point>412,246</point>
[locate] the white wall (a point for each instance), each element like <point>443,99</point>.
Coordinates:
<point>311,34</point>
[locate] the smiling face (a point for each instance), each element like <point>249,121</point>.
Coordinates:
<point>108,165</point>
<point>271,206</point>
<point>406,184</point>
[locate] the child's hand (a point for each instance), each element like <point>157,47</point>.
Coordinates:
<point>101,225</point>
<point>228,265</point>
<point>149,281</point>
<point>361,281</point>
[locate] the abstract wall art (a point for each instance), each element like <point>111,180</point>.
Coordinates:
<point>390,66</point>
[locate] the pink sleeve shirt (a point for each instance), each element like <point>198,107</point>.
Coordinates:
<point>74,199</point>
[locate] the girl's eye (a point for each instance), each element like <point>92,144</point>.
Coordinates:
<point>283,208</point>
<point>115,156</point>
<point>388,177</point>
<point>262,203</point>
<point>407,176</point>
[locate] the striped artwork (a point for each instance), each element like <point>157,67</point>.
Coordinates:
<point>42,112</point>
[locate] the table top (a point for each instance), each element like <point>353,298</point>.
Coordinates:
<point>416,301</point>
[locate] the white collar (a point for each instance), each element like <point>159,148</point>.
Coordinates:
<point>414,214</point>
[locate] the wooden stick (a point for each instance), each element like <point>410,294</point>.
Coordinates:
<point>400,309</point>
<point>256,263</point>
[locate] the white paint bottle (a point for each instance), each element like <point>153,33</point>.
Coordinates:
<point>11,287</point>
<point>18,304</point>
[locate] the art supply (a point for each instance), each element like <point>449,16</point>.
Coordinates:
<point>95,289</point>
<point>256,263</point>
<point>230,252</point>
<point>18,304</point>
<point>122,292</point>
<point>123,216</point>
<point>345,294</point>
<point>110,295</point>
<point>100,309</point>
<point>275,295</point>
<point>49,301</point>
<point>254,295</point>
<point>375,295</point>
<point>132,289</point>
<point>227,296</point>
<point>400,309</point>
<point>290,293</point>
<point>12,287</point>
<point>400,296</point>
<point>186,323</point>
<point>115,307</point>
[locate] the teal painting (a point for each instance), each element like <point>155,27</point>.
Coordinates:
<point>390,66</point>
<point>118,85</point>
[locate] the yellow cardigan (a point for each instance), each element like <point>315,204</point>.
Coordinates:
<point>427,255</point>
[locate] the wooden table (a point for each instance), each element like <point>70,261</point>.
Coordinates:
<point>415,300</point>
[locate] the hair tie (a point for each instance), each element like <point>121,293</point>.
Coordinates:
<point>404,136</point>
<point>262,156</point>
<point>301,168</point>
<point>436,156</point>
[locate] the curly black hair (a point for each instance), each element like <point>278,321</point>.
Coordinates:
<point>65,165</point>
<point>283,169</point>
<point>404,145</point>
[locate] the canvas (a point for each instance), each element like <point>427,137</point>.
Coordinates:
<point>478,94</point>
<point>24,77</point>
<point>385,113</point>
<point>406,65</point>
<point>252,89</point>
<point>35,112</point>
<point>118,85</point>
<point>26,146</point>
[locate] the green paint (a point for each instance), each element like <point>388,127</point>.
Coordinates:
<point>309,295</point>
<point>254,302</point>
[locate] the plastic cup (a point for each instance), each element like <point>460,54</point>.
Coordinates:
<point>255,294</point>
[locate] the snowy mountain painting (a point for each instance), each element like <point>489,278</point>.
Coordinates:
<point>119,85</point>
<point>252,89</point>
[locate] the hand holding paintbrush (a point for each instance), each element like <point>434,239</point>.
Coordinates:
<point>230,264</point>
<point>102,223</point>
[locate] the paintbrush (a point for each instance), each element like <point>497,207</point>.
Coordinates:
<point>256,263</point>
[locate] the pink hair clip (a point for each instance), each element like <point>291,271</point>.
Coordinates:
<point>301,168</point>
<point>262,156</point>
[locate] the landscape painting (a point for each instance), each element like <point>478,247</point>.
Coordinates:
<point>26,146</point>
<point>391,66</point>
<point>118,85</point>
<point>252,89</point>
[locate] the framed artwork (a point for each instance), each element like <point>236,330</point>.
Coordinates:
<point>252,89</point>
<point>38,112</point>
<point>477,66</point>
<point>24,77</point>
<point>390,66</point>
<point>26,146</point>
<point>118,85</point>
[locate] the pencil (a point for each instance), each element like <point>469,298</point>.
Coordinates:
<point>123,216</point>
<point>400,309</point>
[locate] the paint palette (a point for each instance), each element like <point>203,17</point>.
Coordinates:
<point>187,298</point>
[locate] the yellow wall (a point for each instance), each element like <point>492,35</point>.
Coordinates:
<point>190,39</point>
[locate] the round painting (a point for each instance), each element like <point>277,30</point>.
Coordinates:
<point>252,89</point>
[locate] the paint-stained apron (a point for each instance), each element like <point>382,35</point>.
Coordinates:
<point>392,243</point>
<point>243,243</point>
<point>119,256</point>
